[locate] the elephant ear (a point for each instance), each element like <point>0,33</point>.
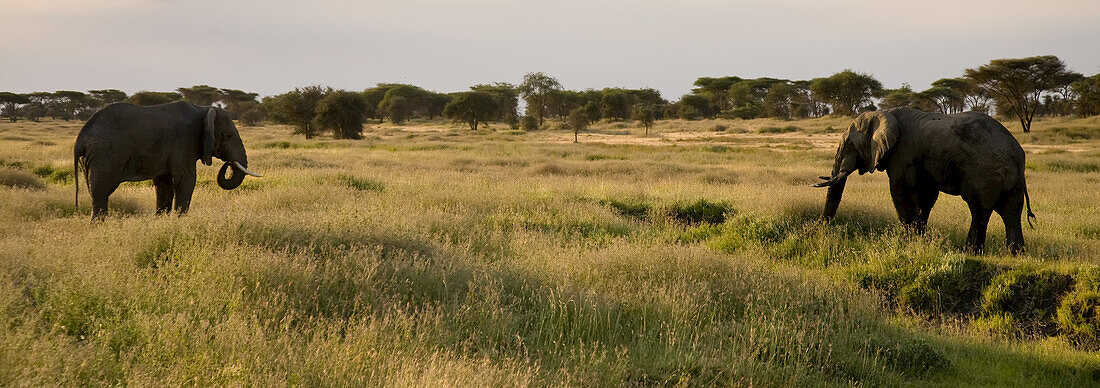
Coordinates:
<point>208,136</point>
<point>880,133</point>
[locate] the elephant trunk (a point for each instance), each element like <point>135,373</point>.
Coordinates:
<point>842,167</point>
<point>832,199</point>
<point>234,180</point>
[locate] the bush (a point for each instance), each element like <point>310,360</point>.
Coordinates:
<point>633,208</point>
<point>955,287</point>
<point>529,123</point>
<point>1029,297</point>
<point>786,129</point>
<point>51,174</point>
<point>1079,313</point>
<point>1079,318</point>
<point>700,211</point>
<point>361,184</point>
<point>19,179</point>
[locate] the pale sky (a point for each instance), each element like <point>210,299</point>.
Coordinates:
<point>273,46</point>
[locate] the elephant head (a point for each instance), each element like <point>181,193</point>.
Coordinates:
<point>220,139</point>
<point>864,147</point>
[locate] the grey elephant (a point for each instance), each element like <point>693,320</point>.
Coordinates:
<point>966,154</point>
<point>124,142</point>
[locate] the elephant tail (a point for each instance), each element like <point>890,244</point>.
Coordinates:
<point>1027,200</point>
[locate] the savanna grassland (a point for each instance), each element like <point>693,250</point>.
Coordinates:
<point>428,254</point>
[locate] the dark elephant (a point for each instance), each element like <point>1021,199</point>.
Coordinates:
<point>124,142</point>
<point>967,154</point>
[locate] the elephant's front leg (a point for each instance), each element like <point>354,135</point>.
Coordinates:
<point>906,201</point>
<point>184,185</point>
<point>165,192</point>
<point>927,199</point>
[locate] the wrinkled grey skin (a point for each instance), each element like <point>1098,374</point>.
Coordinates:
<point>966,154</point>
<point>124,142</point>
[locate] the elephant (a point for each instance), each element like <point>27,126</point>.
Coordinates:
<point>967,154</point>
<point>124,142</point>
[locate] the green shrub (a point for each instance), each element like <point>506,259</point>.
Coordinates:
<point>1030,297</point>
<point>630,207</point>
<point>913,355</point>
<point>20,179</point>
<point>1079,318</point>
<point>361,184</point>
<point>529,123</point>
<point>786,129</point>
<point>1079,313</point>
<point>698,212</point>
<point>953,287</point>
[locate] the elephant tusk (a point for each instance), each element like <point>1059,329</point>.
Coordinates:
<point>832,181</point>
<point>245,170</point>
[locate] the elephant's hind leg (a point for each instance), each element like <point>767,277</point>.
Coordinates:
<point>101,186</point>
<point>165,193</point>
<point>1011,208</point>
<point>979,222</point>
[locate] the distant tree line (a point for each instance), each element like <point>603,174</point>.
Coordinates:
<point>69,105</point>
<point>1021,88</point>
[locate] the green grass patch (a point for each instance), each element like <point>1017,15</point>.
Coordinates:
<point>783,129</point>
<point>358,183</point>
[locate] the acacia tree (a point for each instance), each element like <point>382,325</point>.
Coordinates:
<point>10,103</point>
<point>536,90</point>
<point>506,97</point>
<point>233,98</point>
<point>614,104</point>
<point>716,91</point>
<point>939,99</point>
<point>847,91</point>
<point>472,108</point>
<point>373,97</point>
<point>341,112</point>
<point>1017,84</point>
<point>38,107</point>
<point>202,95</point>
<point>68,104</point>
<point>779,101</point>
<point>897,98</point>
<point>106,97</point>
<point>577,121</point>
<point>145,98</point>
<point>296,108</point>
<point>1088,96</point>
<point>644,114</point>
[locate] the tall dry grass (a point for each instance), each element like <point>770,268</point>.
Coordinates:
<point>428,254</point>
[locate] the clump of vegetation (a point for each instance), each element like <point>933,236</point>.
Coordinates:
<point>341,112</point>
<point>630,207</point>
<point>1079,313</point>
<point>52,174</point>
<point>15,178</point>
<point>361,184</point>
<point>952,288</point>
<point>784,129</point>
<point>719,128</point>
<point>529,123</point>
<point>700,211</point>
<point>1030,297</point>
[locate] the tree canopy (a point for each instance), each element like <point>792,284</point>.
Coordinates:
<point>473,108</point>
<point>341,112</point>
<point>1017,84</point>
